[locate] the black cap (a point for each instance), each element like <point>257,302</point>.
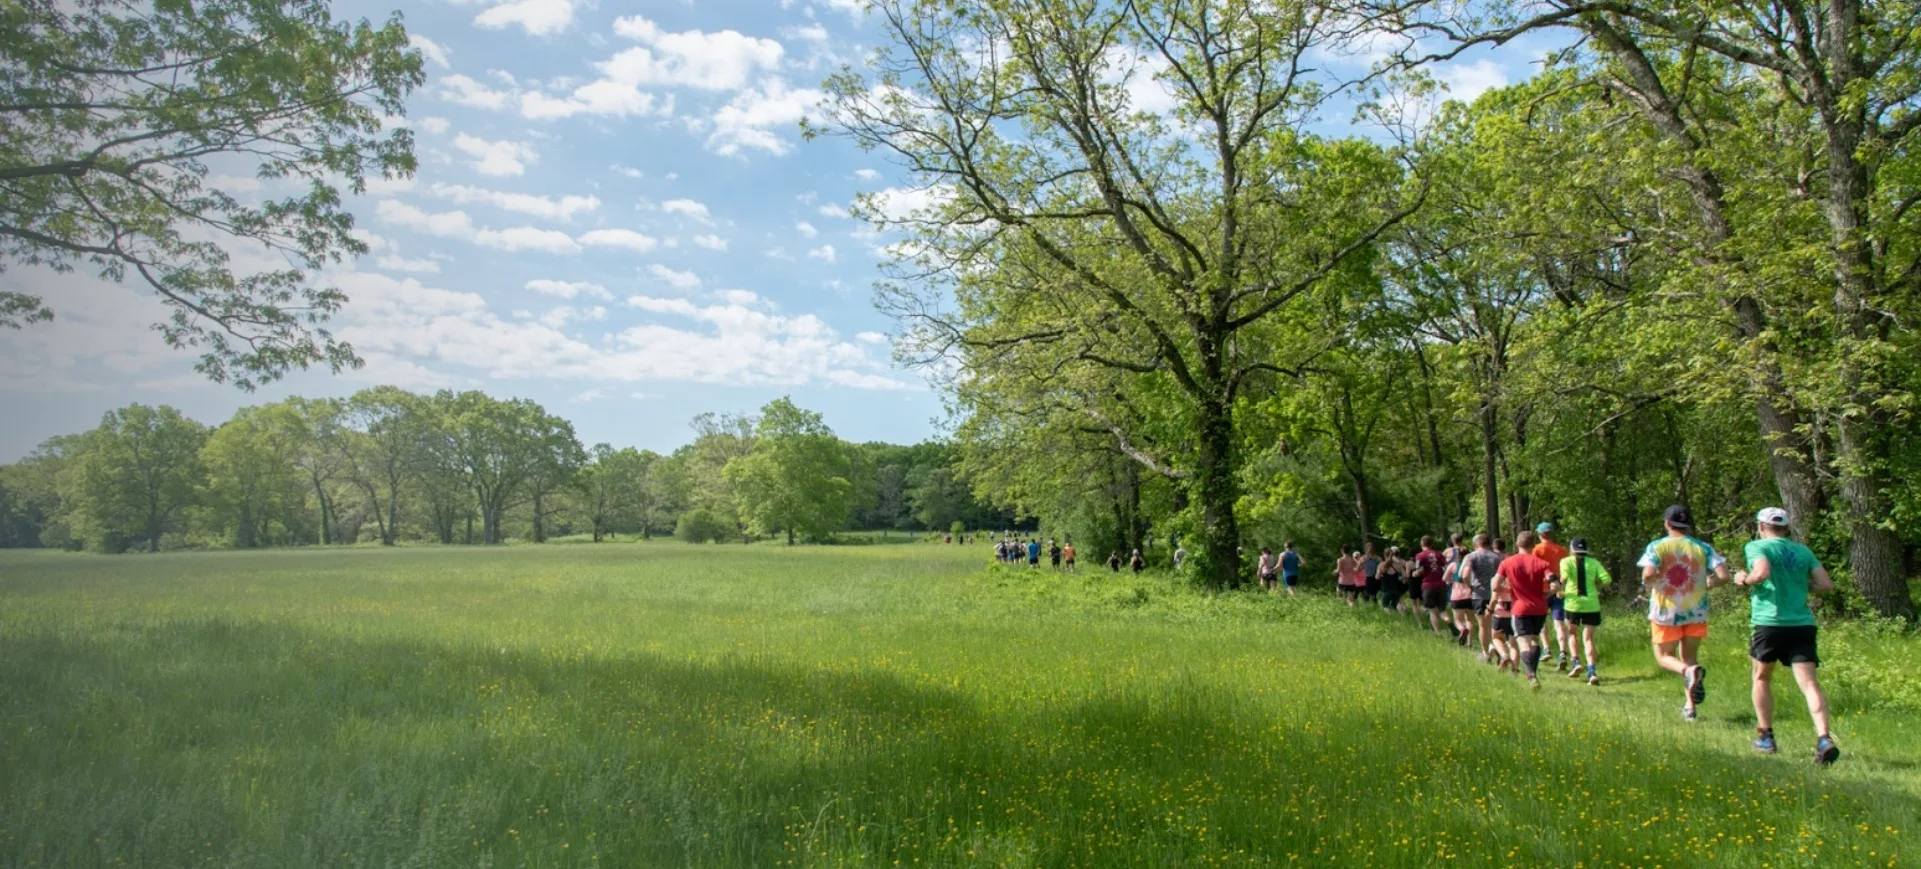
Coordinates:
<point>1578,545</point>
<point>1678,517</point>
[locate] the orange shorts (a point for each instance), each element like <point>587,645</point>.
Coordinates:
<point>1665,634</point>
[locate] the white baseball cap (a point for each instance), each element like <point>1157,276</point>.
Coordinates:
<point>1772,516</point>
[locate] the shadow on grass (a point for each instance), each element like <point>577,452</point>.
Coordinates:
<point>260,744</point>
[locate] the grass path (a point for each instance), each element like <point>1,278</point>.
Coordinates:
<point>666,705</point>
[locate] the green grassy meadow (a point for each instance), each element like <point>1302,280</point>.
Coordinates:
<point>669,705</point>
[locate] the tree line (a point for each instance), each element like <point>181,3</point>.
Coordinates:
<point>387,465</point>
<point>1680,264</point>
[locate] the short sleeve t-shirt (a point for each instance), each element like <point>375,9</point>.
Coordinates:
<point>1291,563</point>
<point>1679,595</point>
<point>1267,563</point>
<point>1782,599</point>
<point>1371,566</point>
<point>1527,576</point>
<point>1581,579</point>
<point>1482,564</point>
<point>1432,567</point>
<point>1552,553</point>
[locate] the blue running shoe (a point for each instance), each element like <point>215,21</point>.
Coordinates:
<point>1764,743</point>
<point>1825,751</point>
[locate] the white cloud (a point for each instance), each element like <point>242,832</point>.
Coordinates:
<point>594,394</point>
<point>1137,74</point>
<point>563,208</point>
<point>497,158</point>
<point>898,204</point>
<point>456,224</point>
<point>710,242</point>
<point>807,33</point>
<point>625,238</point>
<point>568,289</point>
<point>686,208</point>
<point>629,172</point>
<point>866,174</point>
<point>429,49</point>
<point>862,380</point>
<point>806,229</point>
<point>750,119</point>
<point>871,338</point>
<point>1466,81</point>
<point>723,60</point>
<point>832,210</point>
<point>434,125</point>
<point>824,253</point>
<point>719,61</point>
<point>679,280</point>
<point>467,92</point>
<point>743,298</point>
<point>536,17</point>
<point>403,264</point>
<point>526,238</point>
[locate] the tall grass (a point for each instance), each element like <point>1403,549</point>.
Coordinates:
<point>668,705</point>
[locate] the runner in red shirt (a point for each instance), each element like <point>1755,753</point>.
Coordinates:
<point>1431,566</point>
<point>1531,580</point>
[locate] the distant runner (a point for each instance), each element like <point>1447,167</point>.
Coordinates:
<point>1478,568</point>
<point>1347,575</point>
<point>1290,567</point>
<point>1054,553</point>
<point>1114,562</point>
<point>1137,562</point>
<point>1067,555</point>
<point>1531,581</point>
<point>1780,574</point>
<point>1582,579</point>
<point>1551,552</point>
<point>1393,576</point>
<point>1034,552</point>
<point>1370,574</point>
<point>1431,567</point>
<point>1268,569</point>
<point>1678,570</point>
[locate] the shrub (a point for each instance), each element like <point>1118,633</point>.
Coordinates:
<point>702,526</point>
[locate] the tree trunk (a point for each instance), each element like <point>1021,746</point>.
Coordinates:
<point>1490,449</point>
<point>540,519</point>
<point>790,537</point>
<point>392,530</point>
<point>1217,491</point>
<point>326,515</point>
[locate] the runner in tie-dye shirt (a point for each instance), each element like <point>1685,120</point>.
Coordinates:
<point>1678,570</point>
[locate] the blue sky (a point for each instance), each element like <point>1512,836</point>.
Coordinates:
<point>614,215</point>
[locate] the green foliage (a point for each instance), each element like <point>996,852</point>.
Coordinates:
<point>795,479</point>
<point>701,525</point>
<point>115,113</point>
<point>135,477</point>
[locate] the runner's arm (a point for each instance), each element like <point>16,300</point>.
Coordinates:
<point>1756,576</point>
<point>1819,581</point>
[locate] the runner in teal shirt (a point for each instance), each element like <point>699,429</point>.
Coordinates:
<point>1780,574</point>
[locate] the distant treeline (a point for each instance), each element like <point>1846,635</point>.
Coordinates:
<point>387,465</point>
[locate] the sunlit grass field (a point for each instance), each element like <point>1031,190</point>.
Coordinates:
<point>669,705</point>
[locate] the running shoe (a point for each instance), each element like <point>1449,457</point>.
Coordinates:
<point>1825,751</point>
<point>1697,683</point>
<point>1533,684</point>
<point>1764,743</point>
<point>1593,679</point>
<point>1688,714</point>
<point>1574,672</point>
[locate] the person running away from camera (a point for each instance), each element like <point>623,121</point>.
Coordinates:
<point>1530,582</point>
<point>1677,571</point>
<point>1582,579</point>
<point>1552,552</point>
<point>1780,574</point>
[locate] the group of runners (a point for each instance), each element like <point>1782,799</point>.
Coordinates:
<point>1501,602</point>
<point>1013,550</point>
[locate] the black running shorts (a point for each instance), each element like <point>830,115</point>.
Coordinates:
<point>1784,644</point>
<point>1593,619</point>
<point>1529,626</point>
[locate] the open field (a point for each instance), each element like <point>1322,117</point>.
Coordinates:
<point>669,705</point>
